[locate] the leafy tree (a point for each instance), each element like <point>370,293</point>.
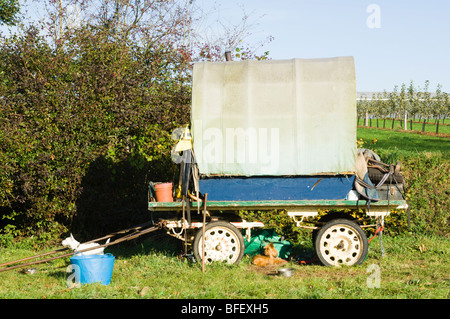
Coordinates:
<point>394,104</point>
<point>403,105</point>
<point>446,105</point>
<point>362,107</point>
<point>413,99</point>
<point>9,9</point>
<point>426,109</point>
<point>382,106</point>
<point>407,100</point>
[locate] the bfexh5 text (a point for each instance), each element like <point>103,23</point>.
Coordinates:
<point>246,308</point>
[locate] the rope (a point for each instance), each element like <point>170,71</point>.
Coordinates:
<point>376,233</point>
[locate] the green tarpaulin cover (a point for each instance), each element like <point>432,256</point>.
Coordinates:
<point>262,237</point>
<point>276,117</point>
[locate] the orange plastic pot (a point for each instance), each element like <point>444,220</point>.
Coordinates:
<point>164,192</point>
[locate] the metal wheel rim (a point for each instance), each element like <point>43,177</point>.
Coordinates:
<point>221,244</point>
<point>341,245</point>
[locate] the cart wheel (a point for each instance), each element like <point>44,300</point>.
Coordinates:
<point>223,242</point>
<point>341,242</point>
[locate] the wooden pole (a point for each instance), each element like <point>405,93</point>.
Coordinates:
<point>203,232</point>
<point>135,228</point>
<point>183,221</point>
<point>115,242</point>
<point>34,257</point>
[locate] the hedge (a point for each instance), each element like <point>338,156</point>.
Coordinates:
<point>85,125</point>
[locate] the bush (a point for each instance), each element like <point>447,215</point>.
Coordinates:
<point>428,192</point>
<point>84,126</point>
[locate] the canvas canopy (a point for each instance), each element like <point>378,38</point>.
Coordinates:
<point>275,118</point>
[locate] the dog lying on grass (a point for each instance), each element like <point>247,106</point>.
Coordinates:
<point>270,257</point>
<point>76,246</point>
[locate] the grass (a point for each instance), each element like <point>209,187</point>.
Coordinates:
<point>417,125</point>
<point>396,143</point>
<point>414,267</point>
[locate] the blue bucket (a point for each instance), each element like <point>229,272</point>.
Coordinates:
<point>93,268</point>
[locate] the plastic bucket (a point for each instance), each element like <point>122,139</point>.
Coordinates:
<point>93,268</point>
<point>164,192</point>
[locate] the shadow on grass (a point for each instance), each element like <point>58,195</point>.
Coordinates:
<point>156,242</point>
<point>114,194</point>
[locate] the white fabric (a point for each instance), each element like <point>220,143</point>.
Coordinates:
<point>276,117</point>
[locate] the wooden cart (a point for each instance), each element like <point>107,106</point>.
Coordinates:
<point>337,238</point>
<point>274,135</point>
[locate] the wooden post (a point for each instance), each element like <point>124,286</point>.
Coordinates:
<point>183,219</point>
<point>405,122</point>
<point>203,232</point>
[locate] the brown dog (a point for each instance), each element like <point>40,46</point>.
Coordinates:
<point>270,257</point>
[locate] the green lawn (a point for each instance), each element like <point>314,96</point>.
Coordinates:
<point>397,143</point>
<point>413,267</point>
<point>430,126</point>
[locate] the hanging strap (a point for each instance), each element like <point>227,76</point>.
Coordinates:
<point>379,229</point>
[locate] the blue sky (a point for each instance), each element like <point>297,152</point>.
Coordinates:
<point>410,42</point>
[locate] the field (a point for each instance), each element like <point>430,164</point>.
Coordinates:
<point>430,126</point>
<point>415,266</point>
<point>395,143</point>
